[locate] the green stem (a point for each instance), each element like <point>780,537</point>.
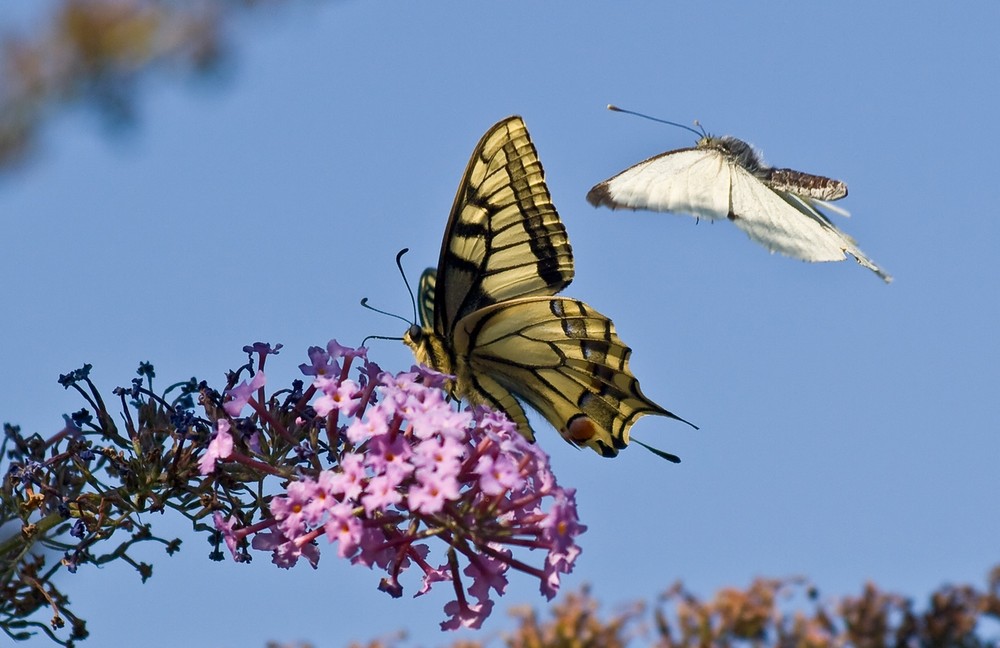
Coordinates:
<point>41,527</point>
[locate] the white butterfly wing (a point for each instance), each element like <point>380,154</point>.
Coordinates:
<point>691,181</point>
<point>790,224</point>
<point>780,226</point>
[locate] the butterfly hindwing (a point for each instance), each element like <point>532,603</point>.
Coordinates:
<point>425,294</point>
<point>561,357</point>
<point>779,225</point>
<point>791,224</point>
<point>686,180</point>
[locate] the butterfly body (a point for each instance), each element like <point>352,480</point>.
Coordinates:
<point>804,184</point>
<point>490,317</point>
<point>726,178</point>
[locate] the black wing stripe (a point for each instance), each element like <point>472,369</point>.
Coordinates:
<point>485,390</point>
<point>565,360</point>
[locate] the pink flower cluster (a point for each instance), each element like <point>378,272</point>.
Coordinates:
<point>410,470</point>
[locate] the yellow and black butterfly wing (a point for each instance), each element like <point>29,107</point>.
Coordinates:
<point>504,239</point>
<point>489,316</point>
<point>561,357</point>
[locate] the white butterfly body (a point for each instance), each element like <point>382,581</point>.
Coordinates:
<point>490,315</point>
<point>724,178</point>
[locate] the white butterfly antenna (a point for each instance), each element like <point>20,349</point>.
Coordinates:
<point>702,133</point>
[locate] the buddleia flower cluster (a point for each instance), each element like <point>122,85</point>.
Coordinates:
<point>408,472</point>
<point>383,469</point>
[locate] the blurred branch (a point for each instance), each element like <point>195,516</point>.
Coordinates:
<point>93,52</point>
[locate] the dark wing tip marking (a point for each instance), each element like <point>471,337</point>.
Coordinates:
<point>599,195</point>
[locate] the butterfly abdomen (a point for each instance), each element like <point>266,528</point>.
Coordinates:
<point>805,184</point>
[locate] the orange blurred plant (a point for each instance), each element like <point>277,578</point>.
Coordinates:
<point>770,613</point>
<point>93,52</point>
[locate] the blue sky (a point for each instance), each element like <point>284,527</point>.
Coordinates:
<point>849,430</point>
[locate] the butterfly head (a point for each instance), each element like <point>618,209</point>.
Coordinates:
<point>416,338</point>
<point>429,349</point>
<point>741,152</point>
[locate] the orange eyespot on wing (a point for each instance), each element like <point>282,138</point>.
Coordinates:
<point>563,359</point>
<point>580,429</point>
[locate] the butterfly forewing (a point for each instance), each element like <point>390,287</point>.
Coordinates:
<point>693,181</point>
<point>504,238</point>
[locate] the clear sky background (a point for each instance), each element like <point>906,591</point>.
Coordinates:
<point>849,429</point>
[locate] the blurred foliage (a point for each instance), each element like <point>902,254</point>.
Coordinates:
<point>93,52</point>
<point>790,614</point>
<point>773,613</point>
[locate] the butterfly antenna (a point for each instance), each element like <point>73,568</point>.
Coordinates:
<point>657,119</point>
<point>365,304</point>
<point>672,458</point>
<point>399,264</point>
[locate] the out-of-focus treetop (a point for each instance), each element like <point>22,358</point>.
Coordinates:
<point>93,52</point>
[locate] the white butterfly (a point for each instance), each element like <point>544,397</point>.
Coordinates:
<point>724,177</point>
